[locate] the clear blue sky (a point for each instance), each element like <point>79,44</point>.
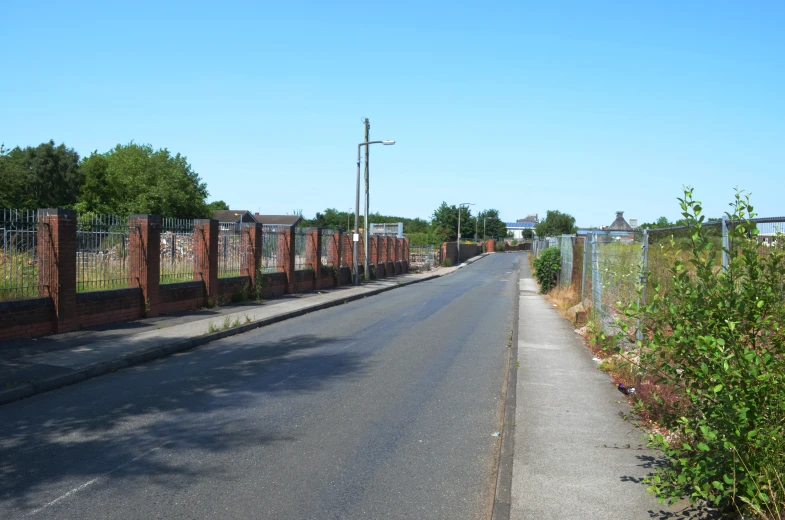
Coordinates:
<point>584,107</point>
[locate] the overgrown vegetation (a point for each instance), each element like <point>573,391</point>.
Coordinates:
<point>546,268</point>
<point>712,366</point>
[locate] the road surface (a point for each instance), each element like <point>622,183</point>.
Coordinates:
<point>380,408</point>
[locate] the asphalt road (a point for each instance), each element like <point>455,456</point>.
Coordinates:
<point>381,408</point>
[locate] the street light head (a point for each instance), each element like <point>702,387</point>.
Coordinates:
<point>388,142</point>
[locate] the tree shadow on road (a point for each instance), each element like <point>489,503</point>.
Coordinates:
<point>119,425</point>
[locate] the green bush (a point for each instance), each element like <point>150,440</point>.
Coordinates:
<point>447,262</point>
<point>717,335</point>
<point>546,268</point>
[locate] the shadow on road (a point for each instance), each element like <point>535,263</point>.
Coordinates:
<point>120,424</point>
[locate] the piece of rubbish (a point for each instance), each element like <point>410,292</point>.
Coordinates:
<point>626,390</point>
<point>596,359</point>
<point>496,434</point>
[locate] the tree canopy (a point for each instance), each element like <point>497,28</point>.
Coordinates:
<point>135,178</point>
<point>45,176</point>
<point>556,223</point>
<point>494,226</point>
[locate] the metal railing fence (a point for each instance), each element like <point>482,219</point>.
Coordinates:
<point>269,260</point>
<point>101,252</point>
<point>328,244</point>
<point>231,251</point>
<point>177,250</point>
<point>18,259</point>
<point>300,249</point>
<point>422,257</point>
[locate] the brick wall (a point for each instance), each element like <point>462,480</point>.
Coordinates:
<point>26,318</point>
<point>60,308</point>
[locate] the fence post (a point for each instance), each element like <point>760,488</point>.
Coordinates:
<point>334,252</point>
<point>643,278</point>
<point>57,264</point>
<point>583,269</point>
<point>252,252</point>
<point>313,251</point>
<point>205,246</point>
<point>725,244</point>
<point>286,256</point>
<point>144,259</point>
<point>347,251</point>
<point>596,285</point>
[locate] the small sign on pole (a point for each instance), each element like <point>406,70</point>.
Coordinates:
<point>356,237</point>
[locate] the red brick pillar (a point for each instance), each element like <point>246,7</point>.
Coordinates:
<point>347,250</point>
<point>313,251</point>
<point>57,264</point>
<point>144,259</point>
<point>405,255</point>
<point>373,253</point>
<point>205,246</point>
<point>334,251</point>
<point>252,251</point>
<point>286,257</point>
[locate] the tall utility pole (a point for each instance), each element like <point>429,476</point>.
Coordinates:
<point>476,225</point>
<point>366,271</point>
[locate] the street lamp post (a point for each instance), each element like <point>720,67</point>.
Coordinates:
<point>484,221</point>
<point>461,205</point>
<point>356,235</point>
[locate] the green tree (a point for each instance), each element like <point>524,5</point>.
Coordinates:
<point>217,205</point>
<point>45,176</point>
<point>556,223</point>
<point>494,226</point>
<point>445,223</point>
<point>527,234</point>
<point>135,178</point>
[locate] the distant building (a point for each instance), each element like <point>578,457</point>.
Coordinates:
<point>619,224</point>
<point>531,218</point>
<point>517,228</point>
<point>619,230</point>
<point>233,218</point>
<point>277,221</point>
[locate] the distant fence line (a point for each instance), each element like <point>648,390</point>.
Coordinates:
<point>103,249</point>
<point>611,268</point>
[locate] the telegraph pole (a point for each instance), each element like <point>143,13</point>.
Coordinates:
<point>366,271</point>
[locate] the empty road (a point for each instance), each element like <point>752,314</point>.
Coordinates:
<point>380,408</point>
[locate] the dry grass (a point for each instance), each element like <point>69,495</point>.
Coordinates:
<point>564,297</point>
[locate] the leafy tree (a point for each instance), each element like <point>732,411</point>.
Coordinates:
<point>445,222</point>
<point>494,226</point>
<point>45,176</point>
<point>527,234</point>
<point>556,223</point>
<point>217,205</point>
<point>137,179</point>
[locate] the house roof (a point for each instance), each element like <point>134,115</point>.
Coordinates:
<point>278,220</point>
<point>233,215</point>
<point>520,225</point>
<point>620,224</point>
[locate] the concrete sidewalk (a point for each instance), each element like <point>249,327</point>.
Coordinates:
<point>575,456</point>
<point>31,366</point>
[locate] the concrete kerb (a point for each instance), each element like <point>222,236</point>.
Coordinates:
<point>142,356</point>
<point>502,501</point>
